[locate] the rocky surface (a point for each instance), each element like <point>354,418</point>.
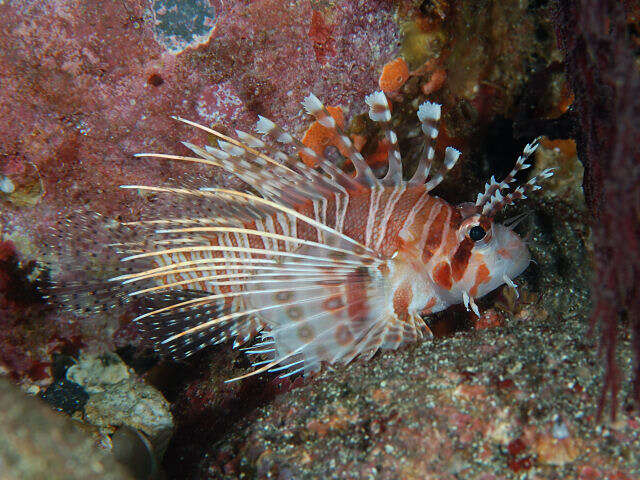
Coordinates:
<point>498,403</point>
<point>37,443</point>
<point>117,397</point>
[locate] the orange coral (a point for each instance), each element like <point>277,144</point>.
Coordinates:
<point>359,141</point>
<point>394,75</point>
<point>566,147</point>
<point>381,154</point>
<point>318,137</point>
<point>435,82</point>
<point>566,100</point>
<point>437,75</point>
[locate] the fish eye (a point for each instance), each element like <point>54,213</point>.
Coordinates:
<point>477,233</point>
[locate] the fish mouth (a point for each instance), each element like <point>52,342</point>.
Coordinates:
<point>517,247</point>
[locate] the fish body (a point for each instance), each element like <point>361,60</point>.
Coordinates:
<point>322,265</point>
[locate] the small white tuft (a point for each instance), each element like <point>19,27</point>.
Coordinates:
<point>285,138</point>
<point>280,156</point>
<point>219,154</point>
<point>511,284</point>
<point>430,131</point>
<point>231,149</point>
<point>312,104</point>
<point>546,173</point>
<point>376,98</point>
<point>430,152</point>
<point>264,125</point>
<point>358,156</point>
<point>429,112</point>
<point>474,307</point>
<point>326,120</point>
<point>531,147</point>
<point>451,156</point>
<point>196,149</point>
<point>309,152</point>
<point>249,140</point>
<point>6,185</point>
<point>378,107</point>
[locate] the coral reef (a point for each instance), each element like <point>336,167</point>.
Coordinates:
<point>85,86</point>
<point>603,73</point>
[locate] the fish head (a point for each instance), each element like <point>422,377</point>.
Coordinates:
<point>487,255</point>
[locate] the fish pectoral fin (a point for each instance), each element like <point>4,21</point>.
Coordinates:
<point>511,284</point>
<point>470,304</point>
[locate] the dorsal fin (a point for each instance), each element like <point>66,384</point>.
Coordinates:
<point>429,115</point>
<point>493,189</point>
<point>364,174</point>
<point>269,128</point>
<point>380,112</point>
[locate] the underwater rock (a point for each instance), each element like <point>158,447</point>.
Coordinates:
<point>95,372</point>
<point>118,397</point>
<point>179,25</point>
<point>463,407</point>
<point>66,396</point>
<point>37,443</point>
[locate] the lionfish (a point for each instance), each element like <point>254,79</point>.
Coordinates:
<point>318,265</point>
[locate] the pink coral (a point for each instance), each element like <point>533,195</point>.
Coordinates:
<point>84,88</point>
<point>220,104</point>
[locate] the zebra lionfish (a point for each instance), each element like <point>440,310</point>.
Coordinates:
<point>320,265</point>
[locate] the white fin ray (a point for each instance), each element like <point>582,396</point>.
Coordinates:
<point>492,194</point>
<point>214,264</point>
<point>364,174</point>
<point>259,202</point>
<point>337,179</point>
<point>429,116</point>
<point>451,156</point>
<point>379,111</point>
<point>303,328</point>
<point>497,201</point>
<point>278,182</point>
<point>171,323</point>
